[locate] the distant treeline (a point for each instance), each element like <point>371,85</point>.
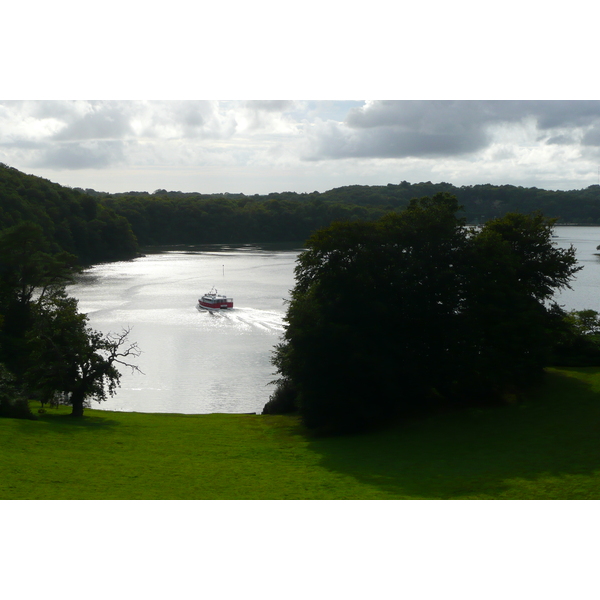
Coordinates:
<point>199,219</point>
<point>178,217</point>
<point>97,226</point>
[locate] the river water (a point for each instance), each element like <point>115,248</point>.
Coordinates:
<point>200,362</point>
<point>193,361</point>
<point>586,285</point>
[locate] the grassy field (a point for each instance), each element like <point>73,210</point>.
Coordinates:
<point>545,447</point>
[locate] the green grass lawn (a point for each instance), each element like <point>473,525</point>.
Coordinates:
<point>546,446</point>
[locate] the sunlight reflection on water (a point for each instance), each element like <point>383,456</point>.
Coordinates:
<point>194,361</point>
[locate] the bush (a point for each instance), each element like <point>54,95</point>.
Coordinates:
<point>578,342</point>
<point>16,408</point>
<point>283,400</point>
<point>13,403</point>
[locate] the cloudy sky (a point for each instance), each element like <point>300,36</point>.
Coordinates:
<point>526,111</point>
<point>277,145</point>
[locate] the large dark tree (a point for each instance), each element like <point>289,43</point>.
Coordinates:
<point>45,343</point>
<point>69,358</point>
<point>30,274</point>
<point>389,316</point>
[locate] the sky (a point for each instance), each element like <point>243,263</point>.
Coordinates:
<point>258,98</point>
<point>263,146</point>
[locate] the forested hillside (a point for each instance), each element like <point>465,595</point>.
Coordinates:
<point>177,217</point>
<point>70,220</point>
<point>228,218</point>
<point>482,202</point>
<point>97,226</point>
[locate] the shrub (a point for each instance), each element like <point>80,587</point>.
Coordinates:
<point>13,402</point>
<point>578,342</point>
<point>283,400</point>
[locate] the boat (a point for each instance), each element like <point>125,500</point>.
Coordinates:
<point>214,301</point>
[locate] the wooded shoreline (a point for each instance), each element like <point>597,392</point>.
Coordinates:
<point>100,227</point>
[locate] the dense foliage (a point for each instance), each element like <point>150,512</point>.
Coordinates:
<point>188,218</point>
<point>72,221</point>
<point>578,342</point>
<point>415,309</point>
<point>193,218</point>
<point>97,226</point>
<point>228,218</point>
<point>483,202</point>
<point>46,348</point>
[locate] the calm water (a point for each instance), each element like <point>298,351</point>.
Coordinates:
<point>198,362</point>
<point>193,361</point>
<point>586,286</point>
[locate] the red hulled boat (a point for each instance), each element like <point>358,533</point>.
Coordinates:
<point>214,301</point>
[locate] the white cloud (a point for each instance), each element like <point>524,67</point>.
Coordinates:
<point>314,144</point>
<point>187,119</point>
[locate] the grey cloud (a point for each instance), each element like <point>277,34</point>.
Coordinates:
<point>399,129</point>
<point>592,137</point>
<point>503,153</point>
<point>80,156</point>
<point>191,116</point>
<point>565,113</point>
<point>63,110</point>
<point>415,114</point>
<point>20,143</point>
<point>188,119</point>
<point>392,142</point>
<point>105,121</point>
<point>472,113</point>
<point>561,140</point>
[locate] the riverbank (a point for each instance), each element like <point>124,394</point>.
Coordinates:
<point>545,447</point>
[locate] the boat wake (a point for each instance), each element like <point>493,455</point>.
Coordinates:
<point>246,319</point>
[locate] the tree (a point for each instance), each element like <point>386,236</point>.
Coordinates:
<point>30,274</point>
<point>391,316</point>
<point>12,401</point>
<point>68,217</point>
<point>578,341</point>
<point>68,357</point>
<point>584,322</point>
<point>28,266</point>
<point>45,342</point>
<point>508,322</point>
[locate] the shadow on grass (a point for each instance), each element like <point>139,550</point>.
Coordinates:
<point>508,451</point>
<point>66,424</point>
